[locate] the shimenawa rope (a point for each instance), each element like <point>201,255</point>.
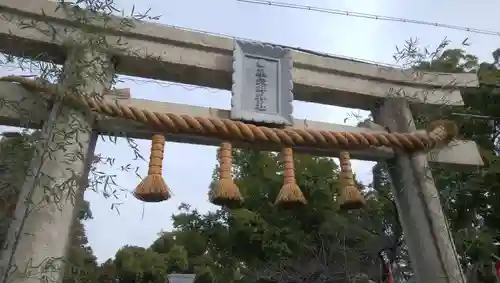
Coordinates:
<point>225,192</point>
<point>153,188</point>
<point>349,197</point>
<point>439,132</point>
<point>227,129</point>
<point>290,193</point>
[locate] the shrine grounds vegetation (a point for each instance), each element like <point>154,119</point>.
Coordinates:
<point>316,243</point>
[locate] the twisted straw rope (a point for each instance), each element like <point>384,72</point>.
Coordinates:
<point>227,129</point>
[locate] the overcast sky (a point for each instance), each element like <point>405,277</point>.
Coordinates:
<point>188,168</point>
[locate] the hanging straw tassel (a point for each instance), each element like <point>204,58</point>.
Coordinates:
<point>153,187</point>
<point>350,196</point>
<point>225,193</point>
<point>290,194</point>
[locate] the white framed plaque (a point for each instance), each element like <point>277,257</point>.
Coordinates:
<point>262,83</point>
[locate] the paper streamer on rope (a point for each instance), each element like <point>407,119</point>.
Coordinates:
<point>350,196</point>
<point>290,194</point>
<point>153,188</point>
<point>226,193</point>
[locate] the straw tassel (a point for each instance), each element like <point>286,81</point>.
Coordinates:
<point>153,187</point>
<point>225,193</point>
<point>350,196</point>
<point>290,194</point>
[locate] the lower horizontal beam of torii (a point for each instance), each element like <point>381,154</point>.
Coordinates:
<point>20,107</point>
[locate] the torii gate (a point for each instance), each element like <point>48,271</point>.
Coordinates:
<point>166,53</point>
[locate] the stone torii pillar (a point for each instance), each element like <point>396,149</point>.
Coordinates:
<point>430,244</point>
<point>38,238</point>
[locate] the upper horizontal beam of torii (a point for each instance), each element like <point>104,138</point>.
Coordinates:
<point>20,107</point>
<point>171,54</point>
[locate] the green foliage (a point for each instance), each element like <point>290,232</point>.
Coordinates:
<point>245,244</point>
<point>177,259</point>
<point>227,245</point>
<point>107,272</point>
<point>136,264</point>
<point>15,154</point>
<point>164,243</point>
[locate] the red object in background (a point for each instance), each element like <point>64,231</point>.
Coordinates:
<point>497,271</point>
<point>391,280</point>
<point>386,268</point>
<point>386,275</point>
